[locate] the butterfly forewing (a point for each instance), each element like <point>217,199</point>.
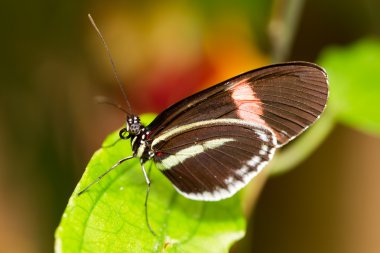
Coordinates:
<point>291,99</point>
<point>212,160</point>
<point>287,98</point>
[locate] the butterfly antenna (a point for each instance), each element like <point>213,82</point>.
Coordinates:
<point>112,63</point>
<point>107,101</point>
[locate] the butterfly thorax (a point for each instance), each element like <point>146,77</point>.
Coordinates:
<point>141,145</point>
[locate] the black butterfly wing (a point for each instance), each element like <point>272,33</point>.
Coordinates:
<point>212,160</point>
<point>211,144</point>
<point>287,98</point>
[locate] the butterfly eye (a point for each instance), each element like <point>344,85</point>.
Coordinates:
<point>135,128</point>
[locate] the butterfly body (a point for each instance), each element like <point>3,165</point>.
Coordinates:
<point>211,144</point>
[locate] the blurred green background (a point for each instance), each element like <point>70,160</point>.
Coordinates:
<point>53,65</point>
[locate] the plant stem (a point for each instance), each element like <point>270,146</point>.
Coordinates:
<point>282,27</point>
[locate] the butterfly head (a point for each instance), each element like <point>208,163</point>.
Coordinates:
<point>133,125</point>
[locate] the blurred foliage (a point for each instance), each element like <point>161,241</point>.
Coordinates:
<point>53,65</point>
<point>354,75</point>
<point>109,217</point>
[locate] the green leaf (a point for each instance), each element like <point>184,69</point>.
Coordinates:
<point>110,216</point>
<point>354,74</point>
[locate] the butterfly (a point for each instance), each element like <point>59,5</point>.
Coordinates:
<point>211,144</point>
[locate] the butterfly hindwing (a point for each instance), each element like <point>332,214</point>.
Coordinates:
<point>212,160</point>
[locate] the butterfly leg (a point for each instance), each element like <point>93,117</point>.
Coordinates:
<point>147,197</point>
<point>105,173</point>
